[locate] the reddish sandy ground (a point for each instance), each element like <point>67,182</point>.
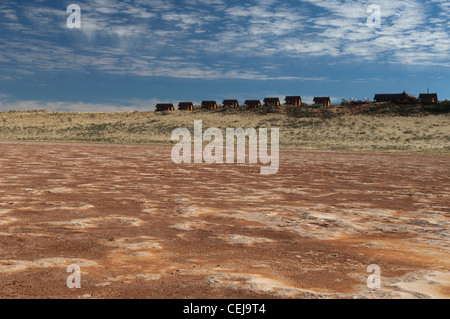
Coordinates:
<point>140,226</point>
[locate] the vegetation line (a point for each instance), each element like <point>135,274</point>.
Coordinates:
<point>380,129</point>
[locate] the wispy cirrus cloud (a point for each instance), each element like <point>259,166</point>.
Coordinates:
<point>406,35</point>
<point>214,39</point>
<point>6,104</point>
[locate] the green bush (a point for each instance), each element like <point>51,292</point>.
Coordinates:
<point>440,108</point>
<point>266,109</point>
<point>300,112</point>
<point>385,108</point>
<point>326,113</point>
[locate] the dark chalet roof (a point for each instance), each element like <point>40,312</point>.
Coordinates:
<point>290,98</point>
<point>428,96</point>
<point>253,102</point>
<point>271,99</point>
<point>164,105</point>
<point>230,101</point>
<point>185,104</point>
<point>322,99</point>
<point>393,96</point>
<point>208,102</point>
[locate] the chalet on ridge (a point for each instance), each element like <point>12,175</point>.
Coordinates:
<point>272,101</point>
<point>186,106</point>
<point>253,104</point>
<point>209,105</point>
<point>402,98</point>
<point>428,98</point>
<point>164,107</point>
<point>325,101</point>
<point>293,100</point>
<point>231,103</point>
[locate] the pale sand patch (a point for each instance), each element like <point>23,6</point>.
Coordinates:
<point>322,223</point>
<point>20,265</point>
<point>246,281</point>
<point>4,220</point>
<point>191,211</point>
<point>133,243</point>
<point>64,207</point>
<point>127,279</point>
<point>138,255</point>
<point>257,283</point>
<point>150,210</point>
<point>32,191</point>
<point>313,228</point>
<point>60,190</point>
<point>422,284</point>
<point>186,226</point>
<point>298,191</point>
<point>95,222</point>
<point>244,240</point>
<point>44,235</point>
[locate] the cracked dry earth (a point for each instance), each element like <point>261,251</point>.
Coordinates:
<point>140,226</point>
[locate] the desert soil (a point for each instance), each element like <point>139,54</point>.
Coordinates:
<point>140,226</point>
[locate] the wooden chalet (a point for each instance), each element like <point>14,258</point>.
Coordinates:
<point>186,106</point>
<point>293,100</point>
<point>272,101</point>
<point>253,104</point>
<point>428,98</point>
<point>325,101</point>
<point>402,98</point>
<point>164,107</point>
<point>209,105</point>
<point>231,103</point>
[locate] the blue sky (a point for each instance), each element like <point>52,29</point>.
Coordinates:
<point>132,54</point>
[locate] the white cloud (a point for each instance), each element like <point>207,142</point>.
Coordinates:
<point>405,31</point>
<point>210,38</point>
<point>30,105</point>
